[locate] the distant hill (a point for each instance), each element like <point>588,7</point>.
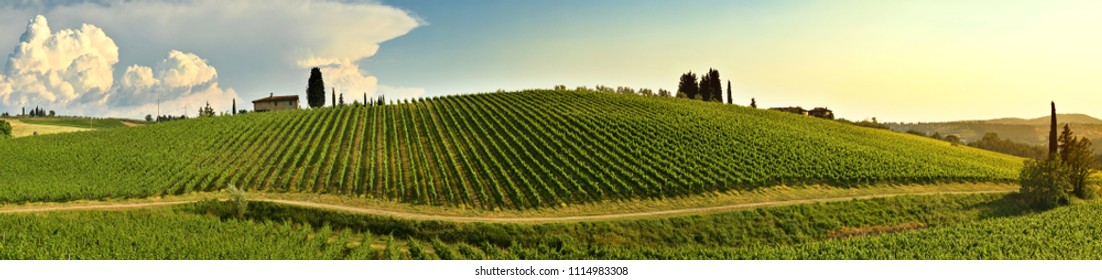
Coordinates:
<point>1029,131</point>
<point>1044,121</point>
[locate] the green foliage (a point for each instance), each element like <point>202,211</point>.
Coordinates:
<point>81,122</point>
<point>1045,183</point>
<point>866,123</point>
<point>5,129</point>
<point>1078,157</point>
<point>512,150</point>
<point>158,234</point>
<point>992,142</point>
<point>391,252</point>
<point>315,89</point>
<point>443,251</point>
<point>206,111</point>
<point>1067,233</point>
<point>239,201</point>
<point>788,225</point>
<point>415,250</point>
<point>688,86</point>
<point>956,226</point>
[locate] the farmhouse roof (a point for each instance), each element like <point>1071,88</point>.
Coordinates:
<point>273,97</point>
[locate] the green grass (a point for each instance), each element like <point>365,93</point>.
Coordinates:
<point>92,123</point>
<point>983,226</point>
<point>1064,233</point>
<point>774,226</point>
<point>515,150</point>
<point>166,234</point>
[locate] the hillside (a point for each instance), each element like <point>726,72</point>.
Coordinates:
<point>1029,131</point>
<point>514,150</point>
<point>1044,120</point>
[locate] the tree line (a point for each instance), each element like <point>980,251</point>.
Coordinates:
<point>709,87</point>
<point>1064,173</point>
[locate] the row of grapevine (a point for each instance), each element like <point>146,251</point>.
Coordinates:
<point>511,150</point>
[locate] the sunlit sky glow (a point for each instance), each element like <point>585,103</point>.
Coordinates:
<point>894,60</point>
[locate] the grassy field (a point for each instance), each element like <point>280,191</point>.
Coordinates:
<point>88,123</point>
<point>986,226</point>
<point>23,129</point>
<point>506,151</point>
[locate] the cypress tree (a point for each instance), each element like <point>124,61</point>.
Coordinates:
<point>334,97</point>
<point>716,86</point>
<point>706,86</point>
<point>729,100</point>
<point>234,108</point>
<point>1052,133</point>
<point>753,103</point>
<point>315,89</point>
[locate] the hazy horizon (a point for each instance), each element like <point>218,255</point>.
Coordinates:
<point>898,62</point>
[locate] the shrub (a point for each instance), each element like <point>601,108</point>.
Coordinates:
<point>1045,183</point>
<point>240,202</point>
<point>5,129</point>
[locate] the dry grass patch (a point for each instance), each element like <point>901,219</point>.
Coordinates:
<point>22,129</point>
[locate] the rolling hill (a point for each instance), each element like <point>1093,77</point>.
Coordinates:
<point>509,150</point>
<point>1029,131</point>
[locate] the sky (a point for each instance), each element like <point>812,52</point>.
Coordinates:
<point>907,61</point>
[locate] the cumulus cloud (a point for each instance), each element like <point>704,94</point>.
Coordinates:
<point>73,71</point>
<point>64,67</point>
<point>265,39</point>
<point>258,46</point>
<point>180,80</point>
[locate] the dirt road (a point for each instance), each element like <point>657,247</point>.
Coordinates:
<point>418,216</point>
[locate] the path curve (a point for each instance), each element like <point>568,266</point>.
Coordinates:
<point>418,216</point>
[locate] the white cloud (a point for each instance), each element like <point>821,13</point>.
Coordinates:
<point>259,46</point>
<point>181,80</point>
<point>399,93</point>
<point>59,68</point>
<point>72,71</point>
<point>264,39</point>
<point>346,78</point>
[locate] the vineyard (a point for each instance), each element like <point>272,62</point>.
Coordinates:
<point>935,227</point>
<point>510,150</point>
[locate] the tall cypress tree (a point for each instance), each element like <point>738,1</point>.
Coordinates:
<point>334,97</point>
<point>706,86</point>
<point>716,86</point>
<point>234,108</point>
<point>1052,134</point>
<point>315,89</point>
<point>729,100</point>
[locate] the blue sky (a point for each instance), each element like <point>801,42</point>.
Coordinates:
<point>894,60</point>
<point>486,45</point>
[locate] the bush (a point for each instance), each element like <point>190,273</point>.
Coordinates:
<point>5,129</point>
<point>240,202</point>
<point>1088,192</point>
<point>1045,183</point>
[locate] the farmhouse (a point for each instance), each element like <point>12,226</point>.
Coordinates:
<point>818,112</point>
<point>275,103</point>
<point>821,112</point>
